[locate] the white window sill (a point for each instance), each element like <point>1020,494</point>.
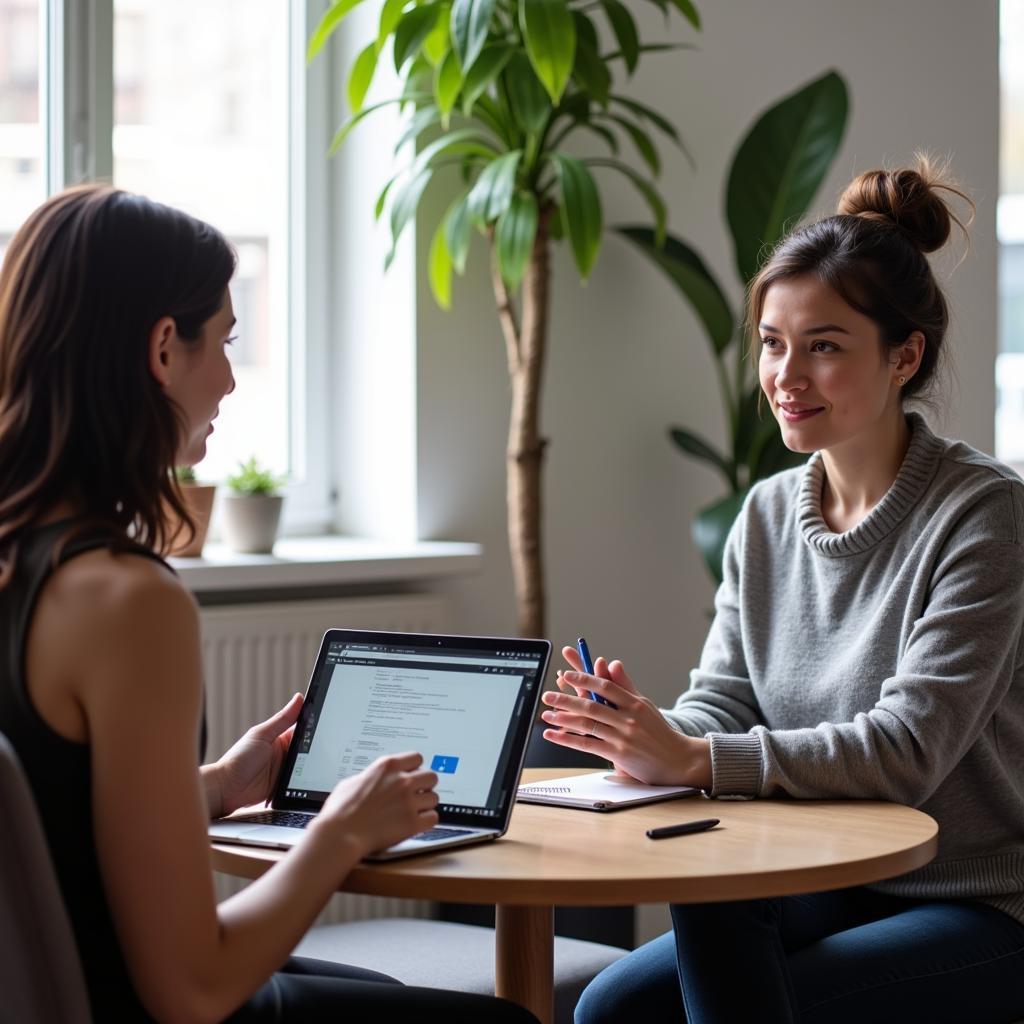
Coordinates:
<point>326,561</point>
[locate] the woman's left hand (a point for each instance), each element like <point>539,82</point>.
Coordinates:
<point>247,772</point>
<point>633,735</point>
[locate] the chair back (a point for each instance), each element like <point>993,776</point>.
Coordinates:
<point>41,978</point>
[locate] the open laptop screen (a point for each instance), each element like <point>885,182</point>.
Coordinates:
<point>464,703</point>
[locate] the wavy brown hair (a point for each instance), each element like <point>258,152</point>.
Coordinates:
<point>82,419</point>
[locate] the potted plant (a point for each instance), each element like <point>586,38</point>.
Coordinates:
<point>198,500</point>
<point>505,92</point>
<point>252,509</point>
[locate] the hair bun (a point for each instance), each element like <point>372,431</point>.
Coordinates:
<point>909,199</point>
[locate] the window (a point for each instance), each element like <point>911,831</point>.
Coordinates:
<point>22,144</point>
<point>204,106</point>
<point>201,123</point>
<point>1010,361</point>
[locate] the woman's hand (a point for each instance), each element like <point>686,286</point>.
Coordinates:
<point>247,772</point>
<point>390,800</point>
<point>634,735</point>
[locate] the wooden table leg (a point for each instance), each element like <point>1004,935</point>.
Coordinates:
<point>524,968</point>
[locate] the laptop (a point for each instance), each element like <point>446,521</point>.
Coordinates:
<point>465,703</point>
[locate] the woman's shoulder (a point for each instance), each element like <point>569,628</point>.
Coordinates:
<point>123,589</point>
<point>978,491</point>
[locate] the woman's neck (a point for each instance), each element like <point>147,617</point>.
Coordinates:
<point>859,472</point>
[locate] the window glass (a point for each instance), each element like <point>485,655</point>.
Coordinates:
<point>22,145</point>
<point>1010,361</point>
<point>201,123</point>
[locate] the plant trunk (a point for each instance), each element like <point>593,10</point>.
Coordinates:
<point>525,456</point>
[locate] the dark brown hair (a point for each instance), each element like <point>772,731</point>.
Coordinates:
<point>81,416</point>
<point>872,253</point>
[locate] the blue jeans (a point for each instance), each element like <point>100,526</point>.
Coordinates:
<point>828,958</point>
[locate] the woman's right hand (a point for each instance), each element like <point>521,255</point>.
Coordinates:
<point>390,800</point>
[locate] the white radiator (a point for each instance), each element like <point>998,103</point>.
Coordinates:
<point>255,656</point>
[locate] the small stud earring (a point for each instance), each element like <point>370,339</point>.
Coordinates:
<point>901,381</point>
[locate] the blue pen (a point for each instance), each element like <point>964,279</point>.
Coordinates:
<point>588,667</point>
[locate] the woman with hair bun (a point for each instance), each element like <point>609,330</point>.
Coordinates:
<point>115,322</point>
<point>868,643</point>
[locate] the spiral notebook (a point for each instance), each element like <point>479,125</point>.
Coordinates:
<point>598,791</point>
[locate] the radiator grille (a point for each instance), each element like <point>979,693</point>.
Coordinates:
<point>256,656</point>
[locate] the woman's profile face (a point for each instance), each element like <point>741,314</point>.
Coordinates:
<point>822,366</point>
<point>202,377</point>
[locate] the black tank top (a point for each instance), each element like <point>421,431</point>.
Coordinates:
<point>60,775</point>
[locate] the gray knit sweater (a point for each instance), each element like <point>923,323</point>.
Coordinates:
<point>883,663</point>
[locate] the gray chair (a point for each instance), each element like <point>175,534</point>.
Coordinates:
<point>442,954</point>
<point>40,975</point>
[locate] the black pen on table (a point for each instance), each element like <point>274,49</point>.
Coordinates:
<point>684,829</point>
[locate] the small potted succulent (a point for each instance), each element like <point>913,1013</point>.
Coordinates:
<point>252,508</point>
<point>198,500</point>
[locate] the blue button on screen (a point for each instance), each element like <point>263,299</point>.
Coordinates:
<point>444,763</point>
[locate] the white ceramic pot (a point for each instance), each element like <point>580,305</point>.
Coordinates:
<point>251,521</point>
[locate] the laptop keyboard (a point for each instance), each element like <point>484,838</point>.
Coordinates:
<point>296,819</point>
<point>288,819</point>
<point>440,832</point>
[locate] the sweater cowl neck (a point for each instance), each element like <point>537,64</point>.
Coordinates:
<point>916,472</point>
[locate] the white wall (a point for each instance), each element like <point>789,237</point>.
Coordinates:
<point>626,356</point>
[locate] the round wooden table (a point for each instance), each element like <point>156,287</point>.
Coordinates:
<point>560,856</point>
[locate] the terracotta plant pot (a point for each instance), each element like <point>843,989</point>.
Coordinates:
<point>251,521</point>
<point>199,502</point>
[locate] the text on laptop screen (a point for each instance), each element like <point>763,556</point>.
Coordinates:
<point>458,709</point>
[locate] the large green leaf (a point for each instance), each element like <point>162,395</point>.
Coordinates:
<point>390,16</point>
<point>458,229</point>
<point>360,77</point>
<point>417,123</point>
<point>550,37</point>
<point>688,11</point>
<point>514,237</point>
<point>490,196</point>
<point>462,140</point>
<point>644,146</point>
<point>439,269</point>
<point>530,104</point>
<point>692,277</point>
<point>471,20</point>
<point>342,133</point>
<point>332,18</point>
<point>695,445</point>
<point>591,73</point>
<point>624,27</point>
<point>780,165</point>
<point>580,209</point>
<point>413,30</point>
<point>485,69</point>
<point>649,193</point>
<point>711,528</point>
<point>645,112</point>
<point>447,83</point>
<point>407,198</point>
<point>437,43</point>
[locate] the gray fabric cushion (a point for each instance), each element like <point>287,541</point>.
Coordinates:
<point>442,954</point>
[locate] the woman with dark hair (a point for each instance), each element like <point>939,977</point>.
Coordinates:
<point>115,319</point>
<point>868,643</point>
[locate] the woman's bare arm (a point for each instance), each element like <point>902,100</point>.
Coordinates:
<point>136,675</point>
